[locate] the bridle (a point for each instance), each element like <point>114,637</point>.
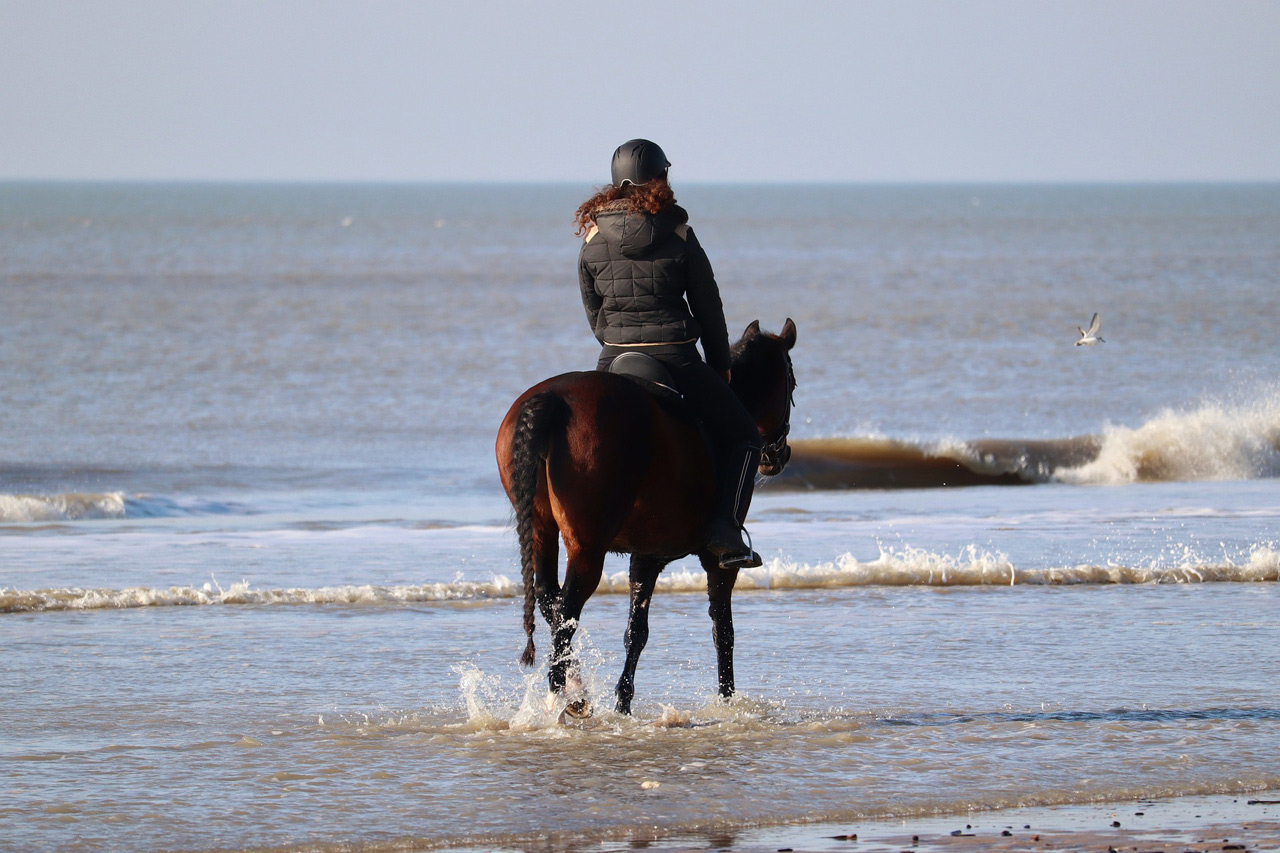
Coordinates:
<point>775,451</point>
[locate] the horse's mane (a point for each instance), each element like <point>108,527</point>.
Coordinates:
<point>746,351</point>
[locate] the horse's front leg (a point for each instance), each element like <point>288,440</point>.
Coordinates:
<point>643,575</point>
<point>720,591</point>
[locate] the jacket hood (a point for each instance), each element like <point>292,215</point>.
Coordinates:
<point>633,233</point>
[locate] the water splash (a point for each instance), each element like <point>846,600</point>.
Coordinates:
<point>1213,442</point>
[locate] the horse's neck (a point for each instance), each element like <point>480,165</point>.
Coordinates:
<point>747,386</point>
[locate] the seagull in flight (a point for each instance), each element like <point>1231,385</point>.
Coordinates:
<point>1090,335</point>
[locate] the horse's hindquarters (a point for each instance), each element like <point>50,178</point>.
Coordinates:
<point>622,473</point>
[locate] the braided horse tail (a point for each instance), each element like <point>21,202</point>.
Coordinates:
<point>541,417</point>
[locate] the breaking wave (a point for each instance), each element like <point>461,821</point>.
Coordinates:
<point>892,567</point>
<point>1212,442</point>
<point>90,506</point>
<point>970,567</point>
<point>73,506</point>
<point>885,463</point>
<point>243,593</point>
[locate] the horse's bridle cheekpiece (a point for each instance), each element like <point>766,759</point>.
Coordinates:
<point>776,442</point>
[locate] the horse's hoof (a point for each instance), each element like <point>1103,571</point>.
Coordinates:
<point>579,710</point>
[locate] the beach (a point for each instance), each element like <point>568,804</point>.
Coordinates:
<point>1211,823</point>
<point>259,586</point>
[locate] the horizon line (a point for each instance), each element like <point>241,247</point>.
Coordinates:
<point>491,182</point>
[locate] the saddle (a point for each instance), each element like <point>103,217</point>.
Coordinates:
<point>648,372</point>
<point>654,378</point>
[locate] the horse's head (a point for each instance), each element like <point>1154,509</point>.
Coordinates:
<point>764,381</point>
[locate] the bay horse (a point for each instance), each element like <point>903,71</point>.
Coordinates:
<point>600,461</point>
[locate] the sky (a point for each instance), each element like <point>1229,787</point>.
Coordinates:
<point>746,91</point>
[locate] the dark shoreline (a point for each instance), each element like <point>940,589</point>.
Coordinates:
<point>1214,822</point>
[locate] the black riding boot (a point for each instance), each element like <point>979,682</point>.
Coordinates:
<point>735,481</point>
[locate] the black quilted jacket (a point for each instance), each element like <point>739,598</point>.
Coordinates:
<point>646,280</point>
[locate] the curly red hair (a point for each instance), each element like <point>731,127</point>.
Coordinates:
<point>650,197</point>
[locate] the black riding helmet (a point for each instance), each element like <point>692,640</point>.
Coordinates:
<point>638,161</point>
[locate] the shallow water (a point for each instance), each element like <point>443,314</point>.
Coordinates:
<point>279,724</point>
<point>258,583</point>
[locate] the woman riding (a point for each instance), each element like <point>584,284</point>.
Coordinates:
<point>647,286</point>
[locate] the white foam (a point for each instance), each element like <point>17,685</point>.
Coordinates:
<point>1214,442</point>
<point>904,566</point>
<point>72,506</point>
<point>894,567</point>
<point>971,566</point>
<point>76,598</point>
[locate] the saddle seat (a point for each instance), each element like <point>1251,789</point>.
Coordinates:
<point>648,372</point>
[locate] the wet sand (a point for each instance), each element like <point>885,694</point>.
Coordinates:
<point>1245,822</point>
<point>1234,823</point>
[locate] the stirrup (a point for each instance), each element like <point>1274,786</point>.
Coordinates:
<point>739,560</point>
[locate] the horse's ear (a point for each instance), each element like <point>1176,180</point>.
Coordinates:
<point>753,329</point>
<point>788,334</point>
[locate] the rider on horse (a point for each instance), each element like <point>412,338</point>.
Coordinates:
<point>647,286</point>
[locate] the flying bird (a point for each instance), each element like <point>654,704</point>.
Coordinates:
<point>1090,335</point>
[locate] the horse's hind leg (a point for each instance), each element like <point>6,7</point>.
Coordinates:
<point>582,575</point>
<point>644,574</point>
<point>720,591</point>
<point>546,549</point>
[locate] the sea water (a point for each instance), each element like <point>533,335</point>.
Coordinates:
<point>259,587</point>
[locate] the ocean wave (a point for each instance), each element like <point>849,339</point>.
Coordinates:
<point>91,506</point>
<point>72,506</point>
<point>970,567</point>
<point>893,567</point>
<point>243,593</point>
<point>885,463</point>
<point>1212,442</point>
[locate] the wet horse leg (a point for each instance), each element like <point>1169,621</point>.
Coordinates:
<point>720,591</point>
<point>643,575</point>
<point>582,575</point>
<point>546,567</point>
<point>547,573</point>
